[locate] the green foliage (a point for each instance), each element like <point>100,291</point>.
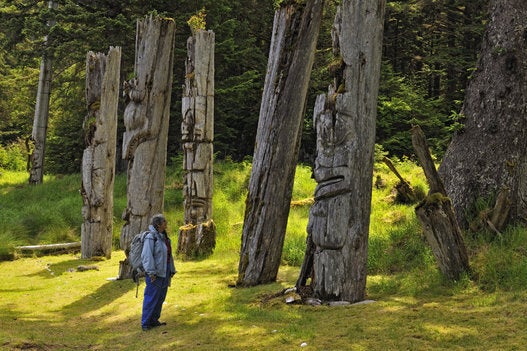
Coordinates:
<point>13,157</point>
<point>399,258</point>
<point>198,21</point>
<point>399,108</point>
<point>426,67</point>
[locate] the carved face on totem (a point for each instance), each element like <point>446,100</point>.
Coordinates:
<point>334,139</point>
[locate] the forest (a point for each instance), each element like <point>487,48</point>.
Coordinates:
<point>450,95</point>
<point>429,53</point>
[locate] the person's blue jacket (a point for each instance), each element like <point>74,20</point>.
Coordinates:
<point>154,255</point>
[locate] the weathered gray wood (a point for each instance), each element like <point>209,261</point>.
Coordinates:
<point>146,119</point>
<point>198,236</point>
<point>405,192</point>
<point>37,143</point>
<point>98,160</point>
<point>335,264</point>
<point>489,154</point>
<point>45,247</point>
<point>437,217</point>
<point>291,57</point>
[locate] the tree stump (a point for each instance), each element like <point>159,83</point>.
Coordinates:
<point>198,236</point>
<point>405,192</point>
<point>335,264</point>
<point>197,240</point>
<point>146,118</point>
<point>293,44</point>
<point>437,217</point>
<point>98,160</point>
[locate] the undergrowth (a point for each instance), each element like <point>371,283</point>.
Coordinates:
<point>51,213</point>
<point>46,304</point>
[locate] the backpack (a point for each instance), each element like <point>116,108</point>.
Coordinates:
<point>134,257</point>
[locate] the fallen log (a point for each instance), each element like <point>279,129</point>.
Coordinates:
<point>49,247</point>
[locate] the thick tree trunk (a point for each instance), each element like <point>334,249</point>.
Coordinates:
<point>337,243</point>
<point>291,57</point>
<point>437,217</point>
<point>198,236</point>
<point>37,141</point>
<point>98,160</point>
<point>489,156</point>
<point>146,119</point>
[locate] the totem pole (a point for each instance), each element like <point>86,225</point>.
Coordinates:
<point>198,236</point>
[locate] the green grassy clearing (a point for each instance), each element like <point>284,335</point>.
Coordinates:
<point>45,304</point>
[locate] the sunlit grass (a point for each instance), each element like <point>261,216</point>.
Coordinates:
<point>45,304</point>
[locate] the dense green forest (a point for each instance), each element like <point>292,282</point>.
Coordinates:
<point>429,51</point>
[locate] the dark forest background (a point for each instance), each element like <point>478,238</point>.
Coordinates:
<point>430,49</point>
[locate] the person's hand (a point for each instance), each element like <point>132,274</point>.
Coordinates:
<point>152,277</point>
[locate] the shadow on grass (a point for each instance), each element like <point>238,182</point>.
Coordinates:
<point>104,295</point>
<point>54,270</point>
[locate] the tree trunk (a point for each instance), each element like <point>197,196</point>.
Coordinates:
<point>338,229</point>
<point>437,217</point>
<point>40,121</point>
<point>489,156</point>
<point>295,33</point>
<point>198,237</point>
<point>146,119</point>
<point>98,160</point>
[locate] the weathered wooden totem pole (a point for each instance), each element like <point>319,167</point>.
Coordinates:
<point>334,267</point>
<point>98,159</point>
<point>146,119</point>
<point>291,56</point>
<point>198,236</point>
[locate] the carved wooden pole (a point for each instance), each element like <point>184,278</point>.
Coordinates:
<point>198,236</point>
<point>146,120</point>
<point>337,243</point>
<point>37,143</point>
<point>291,57</point>
<point>98,159</point>
<point>437,216</point>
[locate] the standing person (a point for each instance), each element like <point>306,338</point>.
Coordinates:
<point>159,266</point>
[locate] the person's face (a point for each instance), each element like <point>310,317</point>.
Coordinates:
<point>162,227</point>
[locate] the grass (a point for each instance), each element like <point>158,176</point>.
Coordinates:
<point>46,304</point>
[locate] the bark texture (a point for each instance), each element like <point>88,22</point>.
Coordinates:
<point>293,43</point>
<point>146,119</point>
<point>198,236</point>
<point>335,263</point>
<point>98,159</point>
<point>437,217</point>
<point>489,156</point>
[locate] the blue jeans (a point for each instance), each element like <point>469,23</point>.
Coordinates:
<point>155,294</point>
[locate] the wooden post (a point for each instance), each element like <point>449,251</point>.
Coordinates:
<point>437,216</point>
<point>291,57</point>
<point>198,236</point>
<point>98,160</point>
<point>37,143</point>
<point>334,267</point>
<point>146,119</point>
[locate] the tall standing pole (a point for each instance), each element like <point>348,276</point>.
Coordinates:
<point>40,121</point>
